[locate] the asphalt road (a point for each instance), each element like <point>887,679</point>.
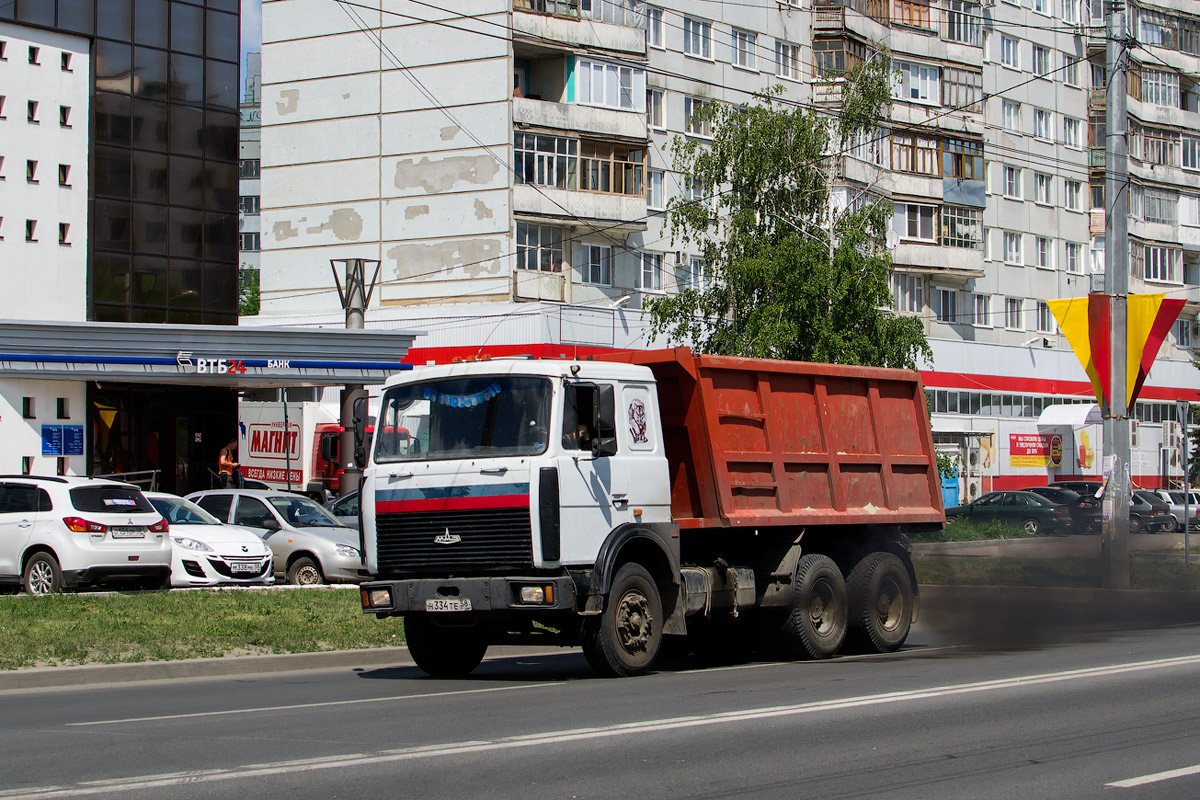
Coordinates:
<point>1069,720</point>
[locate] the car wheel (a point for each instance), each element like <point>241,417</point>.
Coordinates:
<point>1135,525</point>
<point>624,640</point>
<point>881,603</point>
<point>305,572</point>
<point>42,575</point>
<point>1171,526</point>
<point>1031,526</point>
<point>815,626</point>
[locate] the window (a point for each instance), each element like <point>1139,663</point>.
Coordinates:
<point>1189,210</point>
<point>914,222</point>
<point>248,242</point>
<point>693,123</point>
<point>1154,145</point>
<point>1011,115</point>
<point>1161,206</point>
<point>654,27</point>
<point>1097,191</point>
<point>610,85</point>
<point>1070,13</point>
<point>833,57</point>
<point>1183,333</point>
<point>545,160</point>
<point>1012,248</point>
<point>1159,263</point>
<point>964,22</point>
<point>1012,182</point>
<point>654,108</point>
<point>1008,52</point>
<point>694,191</point>
<point>248,168</point>
<point>32,112</point>
<point>911,12</point>
<point>1072,193</point>
<point>27,408</point>
<point>1074,259</point>
<point>1041,6</point>
<point>1072,132</point>
<point>64,232</point>
<point>597,264</point>
<point>611,168</point>
<point>2,107</point>
<point>1191,152</point>
<point>539,247</point>
<point>963,159</point>
<point>962,89</point>
<point>1044,254</point>
<point>915,154</point>
<point>35,55</point>
<point>962,226</point>
<point>31,171</point>
<point>908,292</point>
<point>1041,188</point>
<point>742,53</point>
<point>1041,124</point>
<point>62,407</point>
<point>920,82</point>
<point>697,35</point>
<point>1097,258</point>
<point>3,47</point>
<point>787,60</point>
<point>1045,319</point>
<point>652,271</point>
<point>655,200</point>
<point>1071,69</point>
<point>64,174</point>
<point>1012,313</point>
<point>1041,60</point>
<point>64,116</point>
<point>66,62</point>
<point>249,205</point>
<point>31,230</point>
<point>698,277</point>
<point>1160,88</point>
<point>980,315</point>
<point>945,306</point>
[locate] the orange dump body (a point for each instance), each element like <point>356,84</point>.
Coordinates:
<point>754,442</point>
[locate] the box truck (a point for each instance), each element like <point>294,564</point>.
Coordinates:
<point>292,447</point>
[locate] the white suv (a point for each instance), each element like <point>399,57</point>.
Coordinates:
<point>67,532</point>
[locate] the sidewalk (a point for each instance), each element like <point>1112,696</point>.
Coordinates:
<point>1082,546</point>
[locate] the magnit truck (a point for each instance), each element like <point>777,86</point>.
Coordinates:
<point>291,447</point>
<point>647,498</point>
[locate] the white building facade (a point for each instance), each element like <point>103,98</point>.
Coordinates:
<point>507,160</point>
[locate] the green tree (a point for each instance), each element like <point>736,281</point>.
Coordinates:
<point>248,300</point>
<point>788,275</point>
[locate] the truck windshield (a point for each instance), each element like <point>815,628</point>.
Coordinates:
<point>483,416</point>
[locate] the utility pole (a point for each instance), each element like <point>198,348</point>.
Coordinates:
<point>1185,416</point>
<point>1115,540</point>
<point>355,297</point>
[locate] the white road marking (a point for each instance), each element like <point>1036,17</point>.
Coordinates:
<point>264,709</point>
<point>158,781</point>
<point>1156,777</point>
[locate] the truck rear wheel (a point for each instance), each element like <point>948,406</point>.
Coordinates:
<point>881,603</point>
<point>626,638</point>
<point>816,623</point>
<point>443,652</point>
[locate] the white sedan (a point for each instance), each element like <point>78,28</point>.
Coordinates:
<point>206,552</point>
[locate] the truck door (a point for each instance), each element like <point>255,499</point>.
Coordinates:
<point>641,457</point>
<point>593,492</point>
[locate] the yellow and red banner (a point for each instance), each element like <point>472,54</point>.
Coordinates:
<point>1086,322</point>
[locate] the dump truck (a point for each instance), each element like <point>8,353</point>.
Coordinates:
<point>647,499</point>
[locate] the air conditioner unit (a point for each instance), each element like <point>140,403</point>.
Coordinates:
<point>974,460</point>
<point>1133,432</point>
<point>1172,434</point>
<point>974,488</point>
<point>1170,459</point>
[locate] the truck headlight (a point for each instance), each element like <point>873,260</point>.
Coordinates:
<point>537,595</point>
<point>347,551</point>
<point>377,598</point>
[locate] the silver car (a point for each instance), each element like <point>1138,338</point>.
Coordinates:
<point>309,544</point>
<point>1175,499</point>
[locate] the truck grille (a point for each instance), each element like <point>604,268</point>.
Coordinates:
<point>488,539</point>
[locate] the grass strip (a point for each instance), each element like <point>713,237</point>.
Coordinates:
<point>963,530</point>
<point>70,629</point>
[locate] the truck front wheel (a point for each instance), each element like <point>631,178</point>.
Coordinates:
<point>881,603</point>
<point>816,623</point>
<point>626,638</point>
<point>442,652</point>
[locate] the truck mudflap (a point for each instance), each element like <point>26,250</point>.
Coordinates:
<point>436,595</point>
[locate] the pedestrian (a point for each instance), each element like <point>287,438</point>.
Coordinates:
<point>228,467</point>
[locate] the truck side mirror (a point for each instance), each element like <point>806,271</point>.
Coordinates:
<point>329,448</point>
<point>360,431</point>
<point>603,447</point>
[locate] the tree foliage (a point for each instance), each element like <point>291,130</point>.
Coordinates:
<point>789,276</point>
<point>248,293</point>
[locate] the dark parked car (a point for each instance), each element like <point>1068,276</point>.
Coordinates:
<point>1084,488</point>
<point>1149,513</point>
<point>1030,511</point>
<point>1084,508</point>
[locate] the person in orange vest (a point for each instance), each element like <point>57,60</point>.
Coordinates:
<point>227,467</point>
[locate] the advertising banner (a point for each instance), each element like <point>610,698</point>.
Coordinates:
<point>1031,449</point>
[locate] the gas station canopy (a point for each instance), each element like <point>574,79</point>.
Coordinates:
<point>200,355</point>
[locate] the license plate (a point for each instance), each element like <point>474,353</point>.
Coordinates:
<point>242,567</point>
<point>127,533</point>
<point>442,604</point>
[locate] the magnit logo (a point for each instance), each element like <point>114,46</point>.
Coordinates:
<point>272,442</point>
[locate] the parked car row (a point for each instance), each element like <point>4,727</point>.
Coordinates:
<point>1068,507</point>
<point>65,532</point>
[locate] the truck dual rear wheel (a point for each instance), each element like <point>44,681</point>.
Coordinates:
<point>443,652</point>
<point>816,623</point>
<point>881,603</point>
<point>626,638</point>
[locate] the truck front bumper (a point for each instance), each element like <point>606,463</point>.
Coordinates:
<point>468,594</point>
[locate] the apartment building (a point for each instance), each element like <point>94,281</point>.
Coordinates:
<point>508,163</point>
<point>249,152</point>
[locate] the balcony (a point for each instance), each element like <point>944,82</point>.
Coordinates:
<point>583,119</point>
<point>531,284</point>
<point>617,212</point>
<point>946,263</point>
<point>560,22</point>
<point>1096,157</point>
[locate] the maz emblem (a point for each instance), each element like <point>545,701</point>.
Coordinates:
<point>448,538</point>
